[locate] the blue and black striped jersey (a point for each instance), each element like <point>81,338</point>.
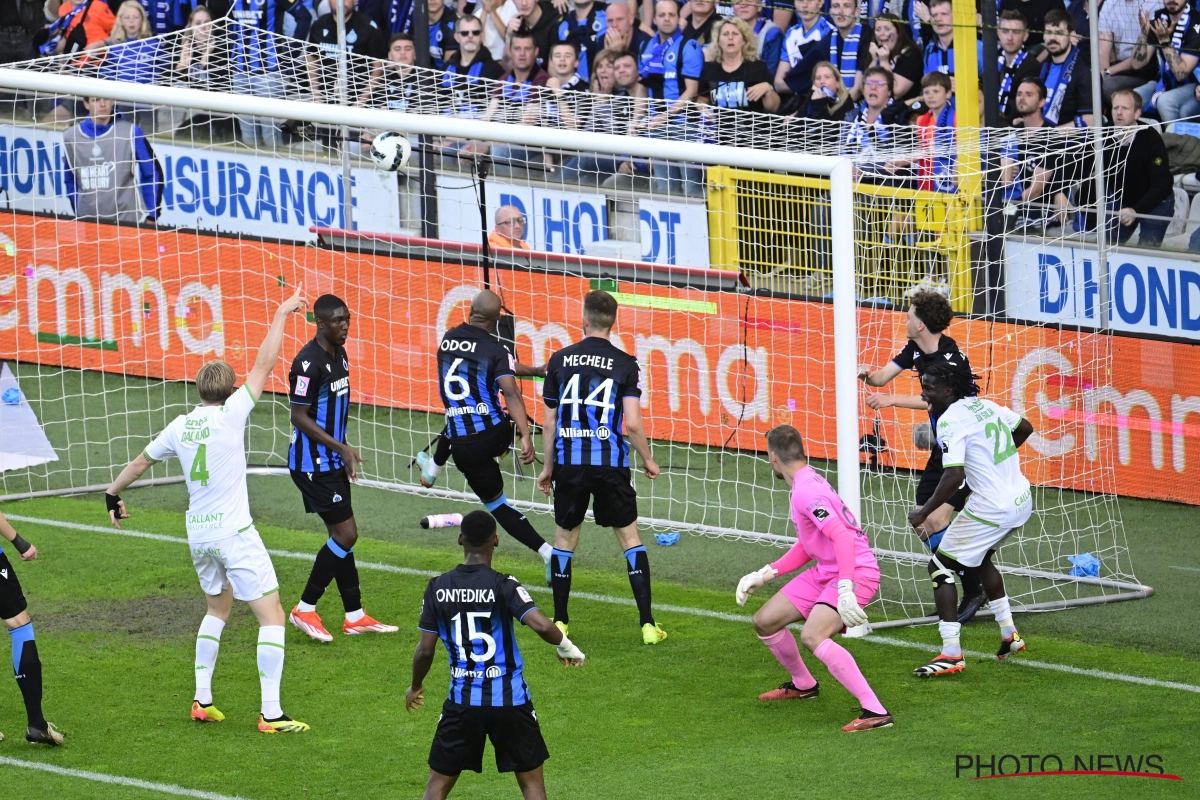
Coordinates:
<point>471,363</point>
<point>587,383</point>
<point>472,608</point>
<point>321,381</point>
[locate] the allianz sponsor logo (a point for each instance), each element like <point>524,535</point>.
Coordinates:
<point>461,672</point>
<point>466,595</point>
<point>602,433</point>
<point>483,410</point>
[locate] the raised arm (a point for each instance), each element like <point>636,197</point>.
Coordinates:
<point>268,352</point>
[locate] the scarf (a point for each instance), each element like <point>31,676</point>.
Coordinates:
<point>844,52</point>
<point>865,138</point>
<point>654,54</point>
<point>870,9</point>
<point>938,144</point>
<point>1006,80</point>
<point>1058,94</point>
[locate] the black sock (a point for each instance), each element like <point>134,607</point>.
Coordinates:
<point>560,581</point>
<point>970,583</point>
<point>347,583</point>
<point>323,570</point>
<point>639,581</point>
<point>516,525</point>
<point>441,450</point>
<point>28,670</point>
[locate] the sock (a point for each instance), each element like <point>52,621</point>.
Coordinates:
<point>782,645</point>
<point>303,606</point>
<point>970,583</point>
<point>441,454</point>
<point>324,568</point>
<point>560,581</point>
<point>936,539</point>
<point>270,668</point>
<point>841,666</point>
<point>1003,616</point>
<point>950,642</point>
<point>347,582</point>
<point>545,551</point>
<point>27,668</point>
<point>208,643</point>
<point>515,524</point>
<point>639,581</point>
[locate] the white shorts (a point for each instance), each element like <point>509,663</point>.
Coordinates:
<point>240,561</point>
<point>972,534</point>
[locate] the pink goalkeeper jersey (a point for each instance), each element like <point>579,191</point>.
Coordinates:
<point>816,510</point>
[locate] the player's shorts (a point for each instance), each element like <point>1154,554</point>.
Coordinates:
<point>813,586</point>
<point>475,457</point>
<point>608,489</point>
<point>462,731</point>
<point>326,494</point>
<point>971,535</point>
<point>12,599</point>
<point>239,561</point>
<point>930,478</point>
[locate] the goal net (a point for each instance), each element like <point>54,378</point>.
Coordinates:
<point>722,259</point>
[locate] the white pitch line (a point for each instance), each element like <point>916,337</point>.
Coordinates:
<point>625,601</point>
<point>1188,569</point>
<point>100,777</point>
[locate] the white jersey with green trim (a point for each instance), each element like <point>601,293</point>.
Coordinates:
<point>976,434</point>
<point>210,443</point>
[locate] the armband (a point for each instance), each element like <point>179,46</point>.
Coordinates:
<point>21,545</point>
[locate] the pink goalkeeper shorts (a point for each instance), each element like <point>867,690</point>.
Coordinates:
<point>812,586</point>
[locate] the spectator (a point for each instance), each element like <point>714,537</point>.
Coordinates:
<point>830,101</point>
<point>622,34</point>
<point>465,85</point>
<point>20,21</point>
<point>1066,75</point>
<point>398,17</point>
<point>736,79</point>
<point>700,21</point>
<point>441,34</point>
<point>586,28</point>
<point>510,229</point>
<point>363,38</point>
<point>1143,184</point>
<point>566,86</point>
<point>399,86</point>
<point>1015,62</point>
<point>96,18</point>
<point>198,64</point>
<point>259,57</point>
<point>939,50</point>
<point>540,19</point>
<point>614,92</point>
<point>1027,158</point>
<point>804,45</point>
<point>1120,29</point>
<point>872,135</point>
<point>936,170</point>
<point>915,16</point>
<point>770,37</point>
<point>135,55</point>
<point>1034,12</point>
<point>111,174</point>
<point>1175,32</point>
<point>895,51</point>
<point>164,16</point>
<point>517,100</point>
<point>849,44</point>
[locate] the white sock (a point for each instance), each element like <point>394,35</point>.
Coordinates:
<point>433,468</point>
<point>950,642</point>
<point>1003,616</point>
<point>303,606</point>
<point>354,616</point>
<point>270,668</point>
<point>208,642</point>
<point>545,550</point>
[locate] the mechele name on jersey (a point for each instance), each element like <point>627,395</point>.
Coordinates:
<point>583,360</point>
<point>466,595</point>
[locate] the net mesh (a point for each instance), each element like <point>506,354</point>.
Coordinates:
<point>724,277</point>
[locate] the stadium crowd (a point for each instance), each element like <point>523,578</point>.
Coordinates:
<point>872,79</point>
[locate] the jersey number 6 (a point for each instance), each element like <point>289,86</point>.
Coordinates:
<point>453,378</point>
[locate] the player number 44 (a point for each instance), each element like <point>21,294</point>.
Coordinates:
<point>199,471</point>
<point>473,634</point>
<point>600,397</point>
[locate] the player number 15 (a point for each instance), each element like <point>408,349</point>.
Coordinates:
<point>474,634</point>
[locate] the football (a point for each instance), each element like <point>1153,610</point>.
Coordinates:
<point>390,151</point>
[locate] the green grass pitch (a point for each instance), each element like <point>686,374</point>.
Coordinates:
<point>116,619</point>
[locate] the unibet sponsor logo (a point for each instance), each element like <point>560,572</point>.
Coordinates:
<point>483,409</point>
<point>466,595</point>
<point>340,386</point>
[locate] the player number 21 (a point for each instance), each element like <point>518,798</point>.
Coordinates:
<point>473,634</point>
<point>571,398</point>
<point>1002,441</point>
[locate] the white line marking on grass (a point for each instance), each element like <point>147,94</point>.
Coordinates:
<point>100,777</point>
<point>1189,569</point>
<point>626,601</point>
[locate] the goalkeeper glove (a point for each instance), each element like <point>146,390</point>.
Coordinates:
<point>848,608</point>
<point>750,583</point>
<point>568,653</point>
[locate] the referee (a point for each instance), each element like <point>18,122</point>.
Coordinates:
<point>323,465</point>
<point>471,609</point>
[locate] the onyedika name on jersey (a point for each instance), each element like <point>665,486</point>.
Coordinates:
<point>466,596</point>
<point>206,520</point>
<point>583,360</point>
<point>602,433</point>
<point>340,386</point>
<point>483,409</point>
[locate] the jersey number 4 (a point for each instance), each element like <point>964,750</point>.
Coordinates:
<point>199,470</point>
<point>1002,441</point>
<point>474,634</point>
<point>601,397</point>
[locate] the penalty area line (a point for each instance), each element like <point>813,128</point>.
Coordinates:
<point>100,777</point>
<point>673,609</point>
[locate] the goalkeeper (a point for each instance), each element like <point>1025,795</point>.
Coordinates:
<point>471,609</point>
<point>829,597</point>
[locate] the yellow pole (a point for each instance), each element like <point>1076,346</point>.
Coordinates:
<point>966,94</point>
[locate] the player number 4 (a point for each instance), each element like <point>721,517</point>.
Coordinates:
<point>474,634</point>
<point>571,398</point>
<point>1002,441</point>
<point>199,470</point>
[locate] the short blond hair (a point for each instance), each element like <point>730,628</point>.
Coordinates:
<point>215,381</point>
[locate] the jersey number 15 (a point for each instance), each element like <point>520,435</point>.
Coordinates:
<point>473,634</point>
